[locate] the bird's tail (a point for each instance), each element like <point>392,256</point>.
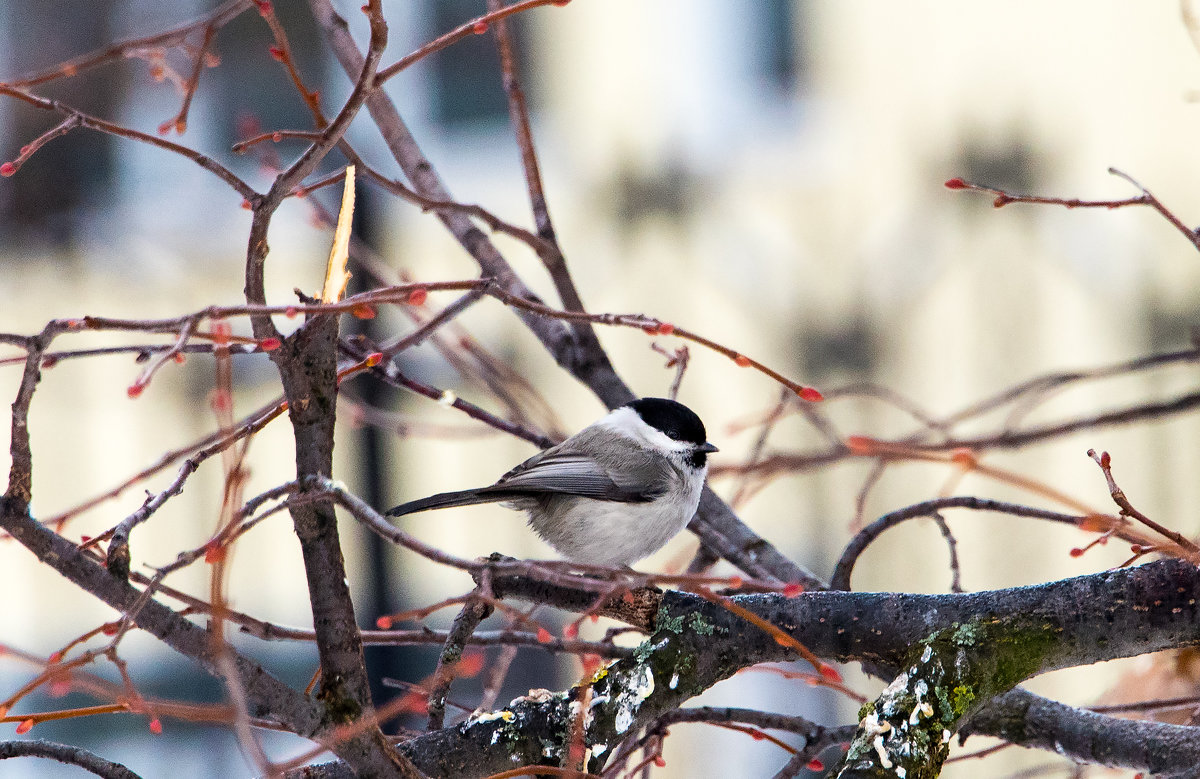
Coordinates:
<point>445,500</point>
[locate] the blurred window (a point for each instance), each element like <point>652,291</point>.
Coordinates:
<point>466,85</point>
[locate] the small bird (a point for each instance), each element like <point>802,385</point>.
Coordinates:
<point>611,494</point>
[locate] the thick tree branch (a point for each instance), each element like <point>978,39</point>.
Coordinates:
<point>697,643</point>
<point>945,679</point>
<point>64,753</point>
<point>474,611</point>
<point>307,364</point>
<point>1087,737</point>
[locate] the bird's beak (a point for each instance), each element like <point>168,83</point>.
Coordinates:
<point>708,448</point>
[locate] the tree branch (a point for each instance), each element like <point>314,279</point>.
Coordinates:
<point>1087,737</point>
<point>697,643</point>
<point>70,755</point>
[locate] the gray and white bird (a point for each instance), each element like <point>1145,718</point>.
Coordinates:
<point>611,494</point>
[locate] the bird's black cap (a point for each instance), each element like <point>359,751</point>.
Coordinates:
<point>675,419</point>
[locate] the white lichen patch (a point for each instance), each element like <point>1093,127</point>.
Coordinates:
<point>640,687</point>
<point>896,687</point>
<point>873,725</point>
<point>876,729</point>
<point>623,720</point>
<point>881,751</point>
<point>921,708</point>
<point>674,681</point>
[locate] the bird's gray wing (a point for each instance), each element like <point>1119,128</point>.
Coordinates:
<point>627,474</point>
<point>637,480</point>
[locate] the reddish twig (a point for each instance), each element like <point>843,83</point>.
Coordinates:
<point>1003,198</point>
<point>179,123</point>
<point>282,53</point>
<point>29,149</point>
<point>241,147</point>
<point>780,636</point>
<point>476,26</point>
<point>217,18</point>
<point>543,770</point>
<point>677,359</point>
<point>391,374</point>
<point>792,462</point>
<point>142,352</point>
<point>185,332</point>
<point>1127,510</point>
<point>760,444</point>
<point>215,442</point>
<point>111,128</point>
<point>654,326</point>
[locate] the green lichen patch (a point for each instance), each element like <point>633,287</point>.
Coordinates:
<point>700,624</point>
<point>906,731</point>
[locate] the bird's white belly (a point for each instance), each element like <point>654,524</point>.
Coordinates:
<point>614,534</point>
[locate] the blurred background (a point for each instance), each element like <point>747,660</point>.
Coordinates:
<point>768,173</point>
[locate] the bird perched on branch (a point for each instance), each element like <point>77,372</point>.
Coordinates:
<point>611,494</point>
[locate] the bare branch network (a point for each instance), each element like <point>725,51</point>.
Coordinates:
<point>954,662</point>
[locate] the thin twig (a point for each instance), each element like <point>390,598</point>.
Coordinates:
<point>179,123</point>
<point>1118,495</point>
<point>475,26</point>
<point>218,17</point>
<point>952,546</point>
<point>392,375</point>
<point>840,580</point>
<point>111,128</point>
<point>1003,198</point>
<point>209,445</point>
<point>29,149</point>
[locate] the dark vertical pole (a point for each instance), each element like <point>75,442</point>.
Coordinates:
<point>377,580</point>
